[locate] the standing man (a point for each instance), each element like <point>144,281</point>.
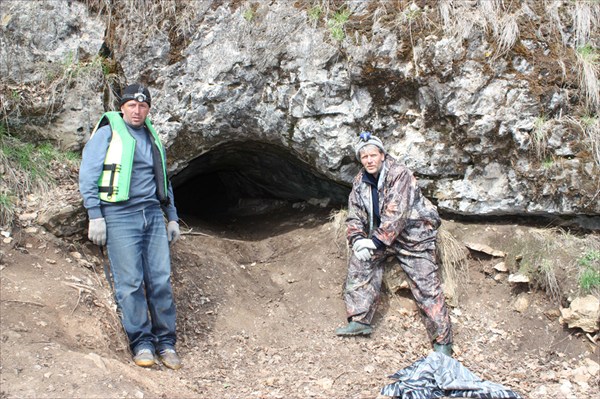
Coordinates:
<point>125,189</point>
<point>388,216</point>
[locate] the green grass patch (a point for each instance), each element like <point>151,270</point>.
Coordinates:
<point>315,13</point>
<point>588,58</point>
<point>48,153</point>
<point>588,121</point>
<point>26,157</point>
<point>27,169</point>
<point>552,259</point>
<point>589,53</point>
<point>7,209</point>
<point>336,24</point>
<point>248,14</point>
<point>547,163</point>
<point>589,276</point>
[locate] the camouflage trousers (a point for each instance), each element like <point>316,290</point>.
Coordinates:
<point>363,285</point>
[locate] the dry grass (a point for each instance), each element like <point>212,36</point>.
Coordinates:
<point>16,181</point>
<point>589,128</point>
<point>43,101</point>
<point>507,33</point>
<point>549,281</point>
<point>446,12</point>
<point>89,75</point>
<point>549,258</point>
<point>23,171</point>
<point>7,208</point>
<point>15,102</point>
<point>539,136</point>
<point>337,219</point>
<point>553,12</point>
<point>454,266</point>
<point>586,15</point>
<point>27,169</point>
<point>501,20</point>
<point>176,18</point>
<point>588,62</point>
<point>459,19</point>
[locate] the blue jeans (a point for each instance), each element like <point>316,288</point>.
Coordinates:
<point>138,250</point>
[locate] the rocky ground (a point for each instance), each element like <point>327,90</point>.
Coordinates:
<point>258,300</point>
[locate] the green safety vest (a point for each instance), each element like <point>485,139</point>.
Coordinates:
<point>114,182</point>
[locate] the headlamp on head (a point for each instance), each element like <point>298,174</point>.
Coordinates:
<point>139,97</point>
<point>135,92</point>
<point>365,136</point>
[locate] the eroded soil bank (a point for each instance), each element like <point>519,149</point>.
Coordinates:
<point>258,300</point>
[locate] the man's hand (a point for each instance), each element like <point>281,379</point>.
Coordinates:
<point>173,232</point>
<point>97,231</point>
<point>363,255</point>
<point>363,248</point>
<point>363,243</point>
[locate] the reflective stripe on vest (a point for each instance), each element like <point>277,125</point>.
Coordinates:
<point>115,180</point>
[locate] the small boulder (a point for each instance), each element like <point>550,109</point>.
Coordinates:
<point>521,304</point>
<point>394,278</point>
<point>501,267</point>
<point>63,220</point>
<point>518,278</point>
<point>584,313</point>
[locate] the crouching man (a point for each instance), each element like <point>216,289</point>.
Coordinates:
<point>388,216</point>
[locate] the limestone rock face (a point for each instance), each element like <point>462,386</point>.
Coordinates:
<point>485,133</point>
<point>47,89</point>
<point>37,36</point>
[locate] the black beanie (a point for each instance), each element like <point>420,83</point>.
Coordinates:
<point>137,92</point>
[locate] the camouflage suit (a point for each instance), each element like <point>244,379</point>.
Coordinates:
<point>408,229</point>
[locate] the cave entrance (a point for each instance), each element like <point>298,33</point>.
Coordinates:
<point>250,178</point>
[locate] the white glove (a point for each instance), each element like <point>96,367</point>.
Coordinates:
<point>363,255</point>
<point>173,232</point>
<point>97,231</point>
<point>363,243</point>
<point>363,248</point>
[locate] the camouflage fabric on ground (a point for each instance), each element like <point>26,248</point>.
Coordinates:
<point>438,376</point>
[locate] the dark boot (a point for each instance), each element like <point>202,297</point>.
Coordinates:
<point>354,328</point>
<point>445,349</point>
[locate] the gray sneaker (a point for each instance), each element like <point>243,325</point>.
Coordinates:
<point>144,358</point>
<point>170,358</point>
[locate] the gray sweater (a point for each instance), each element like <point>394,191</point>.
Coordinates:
<point>142,191</point>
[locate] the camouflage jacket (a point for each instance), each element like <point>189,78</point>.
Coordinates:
<point>409,221</point>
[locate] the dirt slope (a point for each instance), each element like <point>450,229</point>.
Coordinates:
<point>258,300</point>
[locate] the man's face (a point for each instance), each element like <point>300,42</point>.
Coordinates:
<point>135,113</point>
<point>372,159</point>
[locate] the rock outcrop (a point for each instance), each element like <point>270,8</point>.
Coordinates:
<point>243,90</point>
<point>584,313</point>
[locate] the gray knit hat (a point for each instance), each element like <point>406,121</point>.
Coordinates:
<point>367,138</point>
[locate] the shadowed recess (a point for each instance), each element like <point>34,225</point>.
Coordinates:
<point>251,178</point>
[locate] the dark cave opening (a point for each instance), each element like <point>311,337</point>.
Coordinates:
<point>251,178</point>
<point>254,178</point>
